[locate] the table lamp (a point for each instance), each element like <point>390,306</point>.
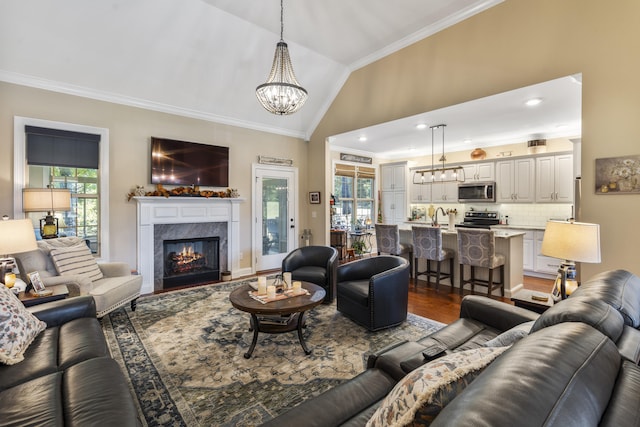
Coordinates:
<point>46,200</point>
<point>573,242</point>
<point>17,236</point>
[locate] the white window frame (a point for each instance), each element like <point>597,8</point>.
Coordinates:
<point>20,168</point>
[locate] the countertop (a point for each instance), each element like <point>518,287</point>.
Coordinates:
<point>501,233</point>
<point>517,227</point>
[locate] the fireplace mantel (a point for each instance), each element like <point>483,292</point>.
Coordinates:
<point>182,210</point>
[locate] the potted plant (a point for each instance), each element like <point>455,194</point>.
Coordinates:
<point>358,247</point>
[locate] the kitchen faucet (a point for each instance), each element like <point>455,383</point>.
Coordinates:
<point>434,222</point>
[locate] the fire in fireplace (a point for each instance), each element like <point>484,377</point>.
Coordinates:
<point>191,261</point>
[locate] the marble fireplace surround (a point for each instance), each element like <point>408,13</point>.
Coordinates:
<point>193,215</point>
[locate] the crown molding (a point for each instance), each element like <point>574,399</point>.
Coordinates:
<point>84,92</point>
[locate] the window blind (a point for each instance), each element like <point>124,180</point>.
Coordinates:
<point>353,171</point>
<point>55,147</point>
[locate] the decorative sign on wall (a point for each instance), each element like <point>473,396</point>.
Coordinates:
<point>266,160</point>
<point>618,175</point>
<point>355,158</point>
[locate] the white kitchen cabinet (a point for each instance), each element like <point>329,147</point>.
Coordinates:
<point>515,181</point>
<point>444,192</point>
<point>394,192</point>
<point>420,193</point>
<point>394,176</point>
<point>554,179</point>
<point>394,207</point>
<point>479,172</point>
<point>545,264</point>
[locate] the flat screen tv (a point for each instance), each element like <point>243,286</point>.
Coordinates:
<point>188,163</point>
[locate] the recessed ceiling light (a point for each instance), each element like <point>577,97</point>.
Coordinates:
<point>421,126</point>
<point>467,141</point>
<point>362,138</point>
<point>533,102</point>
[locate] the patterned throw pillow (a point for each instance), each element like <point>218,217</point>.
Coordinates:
<point>18,327</point>
<point>420,396</point>
<point>76,260</point>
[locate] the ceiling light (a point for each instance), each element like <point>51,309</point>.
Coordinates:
<point>281,94</point>
<point>362,139</point>
<point>533,102</point>
<point>421,126</point>
<point>467,141</point>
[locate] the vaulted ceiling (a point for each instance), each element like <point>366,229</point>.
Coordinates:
<point>204,58</point>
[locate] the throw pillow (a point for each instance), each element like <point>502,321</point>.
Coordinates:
<point>76,260</point>
<point>18,327</point>
<point>420,396</point>
<point>511,336</point>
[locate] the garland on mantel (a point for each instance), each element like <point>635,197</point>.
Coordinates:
<point>193,191</point>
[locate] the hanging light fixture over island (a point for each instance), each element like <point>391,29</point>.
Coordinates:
<point>439,174</point>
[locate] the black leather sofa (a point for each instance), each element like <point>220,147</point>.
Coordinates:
<point>374,292</point>
<point>67,376</point>
<point>577,367</point>
<point>315,264</point>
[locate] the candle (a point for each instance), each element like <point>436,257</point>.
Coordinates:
<point>262,285</point>
<point>297,286</point>
<point>271,291</point>
<point>287,279</point>
<point>9,280</point>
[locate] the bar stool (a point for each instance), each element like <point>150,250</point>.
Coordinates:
<point>388,241</point>
<point>427,244</point>
<point>477,248</point>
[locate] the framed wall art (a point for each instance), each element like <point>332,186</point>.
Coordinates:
<point>618,175</point>
<point>314,197</point>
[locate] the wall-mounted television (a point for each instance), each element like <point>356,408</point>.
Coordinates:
<point>188,163</point>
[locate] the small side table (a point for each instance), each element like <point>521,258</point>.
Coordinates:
<point>525,299</point>
<point>59,292</point>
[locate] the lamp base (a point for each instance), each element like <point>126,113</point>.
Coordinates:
<point>566,282</point>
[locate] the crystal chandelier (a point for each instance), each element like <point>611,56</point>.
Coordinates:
<point>281,94</point>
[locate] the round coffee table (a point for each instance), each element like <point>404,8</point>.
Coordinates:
<point>264,317</point>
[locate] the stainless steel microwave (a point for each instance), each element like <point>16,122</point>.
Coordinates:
<point>477,192</point>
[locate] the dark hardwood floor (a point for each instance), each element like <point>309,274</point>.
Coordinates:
<point>444,306</point>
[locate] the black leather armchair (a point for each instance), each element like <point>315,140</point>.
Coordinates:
<point>374,292</point>
<point>315,264</point>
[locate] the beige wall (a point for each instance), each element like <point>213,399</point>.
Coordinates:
<point>130,130</point>
<point>515,44</point>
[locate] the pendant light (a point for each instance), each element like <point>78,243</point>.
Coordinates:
<point>281,94</point>
<point>438,173</point>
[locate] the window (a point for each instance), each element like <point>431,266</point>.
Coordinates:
<point>353,186</point>
<point>65,166</point>
<point>83,220</point>
<point>64,159</point>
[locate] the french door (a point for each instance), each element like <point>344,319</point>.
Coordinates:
<point>276,213</point>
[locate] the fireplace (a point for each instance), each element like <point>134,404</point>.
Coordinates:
<point>188,261</point>
<point>173,218</point>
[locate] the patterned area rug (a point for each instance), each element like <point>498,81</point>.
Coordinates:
<point>183,353</point>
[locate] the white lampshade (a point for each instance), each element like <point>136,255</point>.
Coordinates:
<point>17,236</point>
<point>46,199</point>
<point>573,241</point>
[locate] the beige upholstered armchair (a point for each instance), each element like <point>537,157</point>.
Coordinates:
<point>68,261</point>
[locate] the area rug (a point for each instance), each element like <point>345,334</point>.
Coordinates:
<point>183,354</point>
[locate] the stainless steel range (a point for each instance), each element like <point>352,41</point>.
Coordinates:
<point>477,219</point>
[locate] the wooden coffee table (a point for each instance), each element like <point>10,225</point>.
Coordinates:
<point>266,317</point>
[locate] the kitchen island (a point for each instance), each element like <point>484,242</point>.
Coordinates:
<point>508,243</point>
